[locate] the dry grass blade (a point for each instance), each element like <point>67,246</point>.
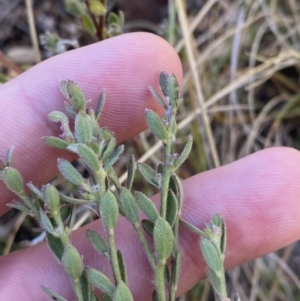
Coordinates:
<point>33,33</point>
<point>196,78</point>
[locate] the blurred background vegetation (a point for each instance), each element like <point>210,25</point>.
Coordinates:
<point>241,69</point>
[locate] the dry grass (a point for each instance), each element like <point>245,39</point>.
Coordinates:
<point>242,94</point>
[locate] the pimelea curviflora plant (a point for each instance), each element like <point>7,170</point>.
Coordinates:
<point>98,150</point>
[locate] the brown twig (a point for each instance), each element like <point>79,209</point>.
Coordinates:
<point>9,64</point>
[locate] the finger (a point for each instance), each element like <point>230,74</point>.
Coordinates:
<point>125,66</point>
<point>257,195</point>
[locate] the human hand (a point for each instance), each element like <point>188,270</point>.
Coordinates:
<point>258,195</point>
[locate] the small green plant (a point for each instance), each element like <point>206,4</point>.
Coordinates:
<point>95,18</point>
<point>98,150</point>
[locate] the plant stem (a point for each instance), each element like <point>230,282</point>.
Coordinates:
<point>114,256</point>
<point>160,282</point>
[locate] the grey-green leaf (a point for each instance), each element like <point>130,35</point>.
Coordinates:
<point>88,157</point>
<point>51,198</point>
<point>72,262</point>
<point>122,266</point>
<point>13,180</point>
<point>55,245</point>
<point>123,293</point>
<point>172,208</point>
<point>88,24</point>
<point>75,201</point>
<point>20,206</point>
<point>100,281</point>
<point>175,270</point>
<point>185,153</point>
<point>70,172</point>
<point>100,104</point>
<point>111,145</point>
<point>45,221</point>
<point>163,240</point>
<point>129,206</point>
<point>178,190</point>
<point>71,111</point>
<point>158,98</point>
<point>210,254</point>
<point>148,226</point>
<point>131,171</point>
<point>57,116</point>
<point>97,241</point>
<point>148,173</point>
<point>85,288</point>
<point>214,280</point>
<point>174,91</point>
<point>109,210</point>
<point>107,298</point>
<point>155,124</point>
<point>83,128</point>
<point>55,142</point>
<point>76,96</point>
<point>9,155</point>
<point>147,206</point>
<point>35,190</point>
<point>52,294</point>
<point>164,82</point>
<point>114,157</point>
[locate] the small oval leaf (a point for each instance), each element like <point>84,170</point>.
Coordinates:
<point>114,157</point>
<point>185,153</point>
<point>123,293</point>
<point>13,180</point>
<point>155,124</point>
<point>72,262</point>
<point>83,128</point>
<point>55,245</point>
<point>122,266</point>
<point>100,281</point>
<point>172,208</point>
<point>97,8</point>
<point>210,254</point>
<point>111,145</point>
<point>164,82</point>
<point>148,173</point>
<point>109,210</point>
<point>51,198</point>
<point>158,98</point>
<point>52,294</point>
<point>148,226</point>
<point>173,90</point>
<point>147,206</point>
<point>97,241</point>
<point>55,142</point>
<point>57,116</point>
<point>70,172</point>
<point>131,171</point>
<point>88,24</point>
<point>76,96</point>
<point>129,206</point>
<point>100,104</point>
<point>163,240</point>
<point>88,157</point>
<point>215,281</point>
